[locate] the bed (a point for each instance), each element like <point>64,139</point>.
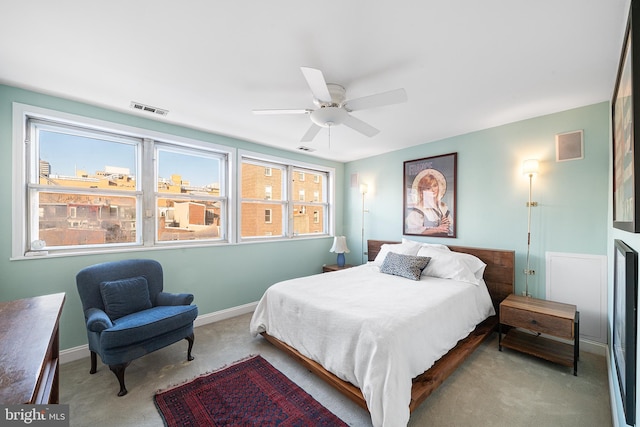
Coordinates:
<point>363,332</point>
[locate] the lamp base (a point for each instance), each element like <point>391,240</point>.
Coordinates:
<point>340,260</point>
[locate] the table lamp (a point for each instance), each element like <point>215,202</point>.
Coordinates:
<point>340,247</point>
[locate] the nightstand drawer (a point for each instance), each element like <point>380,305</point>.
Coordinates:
<point>537,322</point>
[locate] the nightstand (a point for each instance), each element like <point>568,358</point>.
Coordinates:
<point>553,319</point>
<point>334,267</point>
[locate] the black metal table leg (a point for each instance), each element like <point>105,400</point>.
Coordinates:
<point>576,344</point>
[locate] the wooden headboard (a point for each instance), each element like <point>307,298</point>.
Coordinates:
<point>499,274</point>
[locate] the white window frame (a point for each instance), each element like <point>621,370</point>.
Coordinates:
<point>268,216</point>
<point>20,148</point>
<point>291,167</point>
<point>222,199</point>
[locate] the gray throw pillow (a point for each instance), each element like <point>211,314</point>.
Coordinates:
<point>409,266</point>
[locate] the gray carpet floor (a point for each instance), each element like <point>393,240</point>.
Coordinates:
<point>491,388</point>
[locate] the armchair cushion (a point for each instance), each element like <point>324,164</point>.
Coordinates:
<point>167,298</point>
<point>97,320</point>
<point>147,325</point>
<point>125,296</point>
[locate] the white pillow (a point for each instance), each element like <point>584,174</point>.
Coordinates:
<point>409,248</point>
<point>474,263</point>
<point>447,265</point>
<point>433,245</point>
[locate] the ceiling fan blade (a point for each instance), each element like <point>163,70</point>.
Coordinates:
<point>311,133</point>
<point>360,126</point>
<point>396,96</point>
<point>317,84</point>
<point>275,111</point>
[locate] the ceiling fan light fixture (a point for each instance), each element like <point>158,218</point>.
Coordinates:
<point>329,116</point>
<point>333,109</point>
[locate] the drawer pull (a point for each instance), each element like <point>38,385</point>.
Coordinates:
<point>534,322</point>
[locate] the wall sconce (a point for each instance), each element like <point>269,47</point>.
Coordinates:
<point>530,168</point>
<point>340,247</point>
<point>364,189</point>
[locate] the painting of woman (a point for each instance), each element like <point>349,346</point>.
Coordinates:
<point>426,209</point>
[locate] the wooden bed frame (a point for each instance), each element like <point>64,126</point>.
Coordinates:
<point>499,276</point>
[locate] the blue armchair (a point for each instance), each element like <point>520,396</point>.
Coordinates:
<point>128,315</point>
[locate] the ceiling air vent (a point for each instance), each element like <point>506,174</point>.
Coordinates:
<point>307,149</point>
<point>149,109</point>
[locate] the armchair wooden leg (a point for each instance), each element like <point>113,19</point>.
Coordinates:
<point>118,370</point>
<point>190,338</point>
<point>94,363</point>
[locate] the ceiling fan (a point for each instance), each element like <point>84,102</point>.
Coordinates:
<point>333,107</point>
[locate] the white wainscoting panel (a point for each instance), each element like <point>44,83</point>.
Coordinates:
<point>581,279</point>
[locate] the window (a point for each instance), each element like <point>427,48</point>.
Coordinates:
<point>253,203</point>
<point>189,197</point>
<point>287,207</point>
<point>94,185</point>
<point>84,189</point>
<point>267,216</point>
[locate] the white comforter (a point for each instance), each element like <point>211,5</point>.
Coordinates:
<point>374,330</point>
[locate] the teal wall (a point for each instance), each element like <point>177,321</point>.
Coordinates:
<point>492,192</point>
<point>574,213</point>
<point>220,276</point>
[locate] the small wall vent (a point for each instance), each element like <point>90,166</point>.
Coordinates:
<point>307,149</point>
<point>569,146</point>
<point>148,108</point>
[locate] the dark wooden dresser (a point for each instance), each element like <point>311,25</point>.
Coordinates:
<point>29,345</point>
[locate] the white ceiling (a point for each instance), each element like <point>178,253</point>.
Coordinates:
<point>466,65</point>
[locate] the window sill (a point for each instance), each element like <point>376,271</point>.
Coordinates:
<point>102,251</point>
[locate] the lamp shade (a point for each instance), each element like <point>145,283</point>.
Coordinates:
<point>339,245</point>
<point>530,167</point>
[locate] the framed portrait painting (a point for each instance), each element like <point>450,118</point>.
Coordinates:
<point>429,190</point>
<point>626,203</point>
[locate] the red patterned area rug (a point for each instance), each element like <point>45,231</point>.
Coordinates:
<point>248,393</point>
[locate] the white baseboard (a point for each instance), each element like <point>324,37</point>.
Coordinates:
<point>593,347</point>
<point>227,313</point>
<point>613,390</point>
<point>82,351</point>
